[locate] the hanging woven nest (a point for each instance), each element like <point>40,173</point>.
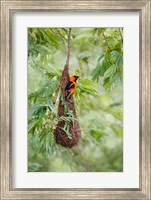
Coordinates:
<point>61,135</point>
<point>74,127</point>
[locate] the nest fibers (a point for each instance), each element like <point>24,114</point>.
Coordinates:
<point>61,136</point>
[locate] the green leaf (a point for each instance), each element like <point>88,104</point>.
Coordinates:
<point>33,167</point>
<point>46,91</point>
<point>46,141</point>
<point>101,68</point>
<point>98,31</point>
<point>110,72</point>
<point>118,130</point>
<point>87,86</point>
<point>118,58</point>
<point>32,125</point>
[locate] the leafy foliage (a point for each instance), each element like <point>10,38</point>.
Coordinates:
<point>97,57</point>
<point>45,40</point>
<point>110,61</point>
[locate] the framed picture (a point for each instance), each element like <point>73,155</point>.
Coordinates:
<point>75,99</point>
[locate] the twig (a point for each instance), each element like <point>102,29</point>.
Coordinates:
<point>69,47</point>
<point>106,42</point>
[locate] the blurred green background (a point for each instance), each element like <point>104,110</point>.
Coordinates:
<point>97,57</point>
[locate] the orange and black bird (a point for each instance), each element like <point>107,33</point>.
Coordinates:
<point>71,87</point>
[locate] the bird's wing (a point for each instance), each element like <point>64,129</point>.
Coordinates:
<point>69,86</point>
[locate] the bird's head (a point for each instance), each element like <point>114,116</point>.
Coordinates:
<point>74,78</point>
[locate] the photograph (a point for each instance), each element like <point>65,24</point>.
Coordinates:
<point>75,99</point>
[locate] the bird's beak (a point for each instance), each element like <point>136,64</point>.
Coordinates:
<point>77,77</point>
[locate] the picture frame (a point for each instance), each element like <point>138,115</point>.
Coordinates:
<point>8,7</point>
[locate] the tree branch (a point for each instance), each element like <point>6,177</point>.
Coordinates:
<point>69,47</point>
<point>106,42</point>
